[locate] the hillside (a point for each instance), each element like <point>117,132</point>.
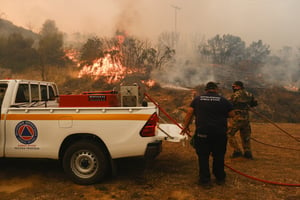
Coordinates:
<point>275,104</point>
<point>7,28</point>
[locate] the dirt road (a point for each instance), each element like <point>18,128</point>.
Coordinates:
<point>172,176</point>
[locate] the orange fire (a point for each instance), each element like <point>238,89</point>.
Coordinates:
<point>150,83</point>
<point>292,88</point>
<point>72,54</point>
<point>108,67</point>
<point>113,70</point>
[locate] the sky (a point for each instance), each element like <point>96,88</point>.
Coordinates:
<point>275,22</point>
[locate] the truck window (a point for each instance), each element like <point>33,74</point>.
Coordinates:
<point>2,92</point>
<point>22,93</point>
<point>35,95</point>
<point>51,94</point>
<point>44,93</point>
<point>37,92</point>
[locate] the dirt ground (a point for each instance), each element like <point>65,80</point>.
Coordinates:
<point>171,176</point>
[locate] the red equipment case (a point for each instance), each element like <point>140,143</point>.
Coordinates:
<point>90,99</point>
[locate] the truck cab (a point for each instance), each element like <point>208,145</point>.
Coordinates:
<point>24,94</point>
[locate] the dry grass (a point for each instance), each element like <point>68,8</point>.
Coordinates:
<point>171,176</point>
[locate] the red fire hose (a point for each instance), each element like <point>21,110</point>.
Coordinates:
<point>261,180</point>
<point>261,115</point>
<point>275,146</point>
<point>163,111</point>
<point>243,174</point>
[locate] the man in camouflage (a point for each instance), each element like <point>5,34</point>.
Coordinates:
<point>241,100</point>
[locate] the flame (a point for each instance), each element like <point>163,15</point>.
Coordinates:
<point>108,67</point>
<point>72,54</point>
<point>150,83</point>
<point>292,88</point>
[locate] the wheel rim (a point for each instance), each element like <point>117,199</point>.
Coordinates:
<point>84,164</point>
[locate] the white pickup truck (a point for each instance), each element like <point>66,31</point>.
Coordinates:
<point>85,132</point>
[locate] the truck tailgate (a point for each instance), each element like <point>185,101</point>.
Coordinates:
<point>170,132</point>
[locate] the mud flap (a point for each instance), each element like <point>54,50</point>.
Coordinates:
<point>171,133</point>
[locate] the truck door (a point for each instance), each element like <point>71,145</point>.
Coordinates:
<point>3,88</point>
<point>25,134</point>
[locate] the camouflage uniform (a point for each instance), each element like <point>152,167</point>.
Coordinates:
<point>241,100</point>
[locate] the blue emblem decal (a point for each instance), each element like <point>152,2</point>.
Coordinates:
<point>26,132</point>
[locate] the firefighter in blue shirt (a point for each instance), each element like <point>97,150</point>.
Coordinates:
<point>211,111</point>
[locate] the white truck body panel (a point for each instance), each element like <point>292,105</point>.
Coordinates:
<point>117,127</point>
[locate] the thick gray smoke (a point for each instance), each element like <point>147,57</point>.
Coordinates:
<point>129,16</point>
<point>184,75</point>
<point>150,18</point>
<point>187,70</point>
<point>283,69</point>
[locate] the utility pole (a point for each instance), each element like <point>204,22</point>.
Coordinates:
<point>176,8</point>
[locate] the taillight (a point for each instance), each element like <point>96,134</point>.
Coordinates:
<point>149,129</point>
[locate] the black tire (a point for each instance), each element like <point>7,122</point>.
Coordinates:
<point>85,162</point>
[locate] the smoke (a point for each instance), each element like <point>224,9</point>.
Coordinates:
<point>129,16</point>
<point>150,18</point>
<point>187,68</point>
<point>183,74</point>
<point>147,19</point>
<point>282,69</point>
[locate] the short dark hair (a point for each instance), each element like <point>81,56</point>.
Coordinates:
<point>239,83</point>
<point>211,86</point>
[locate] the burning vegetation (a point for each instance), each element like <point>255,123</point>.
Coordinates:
<point>104,63</point>
<point>109,65</point>
<point>114,59</point>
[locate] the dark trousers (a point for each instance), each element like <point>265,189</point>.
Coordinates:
<point>214,145</point>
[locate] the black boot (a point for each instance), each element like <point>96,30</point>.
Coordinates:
<point>248,155</point>
<point>236,154</point>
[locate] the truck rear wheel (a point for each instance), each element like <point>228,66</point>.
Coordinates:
<point>85,162</point>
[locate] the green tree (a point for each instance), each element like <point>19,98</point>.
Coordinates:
<point>3,43</point>
<point>257,52</point>
<point>163,55</point>
<point>16,52</point>
<point>50,47</point>
<point>227,49</point>
<point>164,52</point>
<point>136,53</point>
<point>91,50</point>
